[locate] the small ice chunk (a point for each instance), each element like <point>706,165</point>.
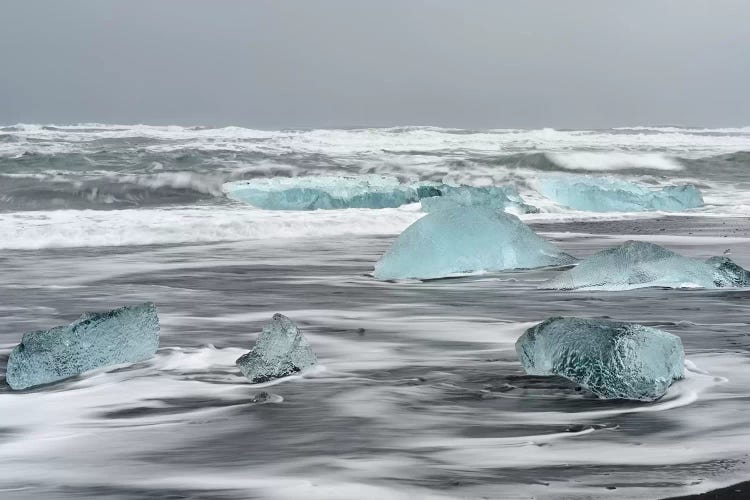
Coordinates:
<point>322,192</point>
<point>604,194</point>
<point>613,360</point>
<point>727,273</point>
<point>125,335</point>
<point>504,198</point>
<point>638,264</point>
<point>280,350</point>
<point>466,240</point>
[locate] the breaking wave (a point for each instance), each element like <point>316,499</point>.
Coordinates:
<point>194,224</point>
<point>53,190</point>
<point>106,167</point>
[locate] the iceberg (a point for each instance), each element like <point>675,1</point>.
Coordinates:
<point>324,192</point>
<point>125,335</point>
<point>466,240</point>
<point>603,194</point>
<point>613,360</point>
<point>280,350</point>
<point>504,198</point>
<point>367,191</point>
<point>638,264</point>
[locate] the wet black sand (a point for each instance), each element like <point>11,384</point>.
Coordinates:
<point>686,225</point>
<point>739,491</point>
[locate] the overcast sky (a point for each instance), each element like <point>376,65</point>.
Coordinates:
<point>317,63</point>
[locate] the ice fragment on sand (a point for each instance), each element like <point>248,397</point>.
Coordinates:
<point>603,194</point>
<point>465,240</point>
<point>727,273</point>
<point>612,359</point>
<point>125,335</point>
<point>280,350</point>
<point>638,264</point>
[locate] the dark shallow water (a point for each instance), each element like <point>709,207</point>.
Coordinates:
<point>419,392</point>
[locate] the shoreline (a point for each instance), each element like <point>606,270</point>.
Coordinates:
<point>739,491</point>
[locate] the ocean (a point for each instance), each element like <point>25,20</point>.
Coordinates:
<point>419,392</point>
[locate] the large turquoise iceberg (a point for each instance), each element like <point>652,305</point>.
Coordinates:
<point>280,350</point>
<point>613,360</point>
<point>638,264</point>
<point>466,240</point>
<point>604,194</point>
<point>367,191</point>
<point>125,335</point>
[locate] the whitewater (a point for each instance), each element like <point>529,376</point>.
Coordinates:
<point>418,392</point>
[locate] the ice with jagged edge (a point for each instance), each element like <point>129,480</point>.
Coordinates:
<point>280,350</point>
<point>505,198</point>
<point>125,335</point>
<point>367,191</point>
<point>638,264</point>
<point>322,192</point>
<point>613,360</point>
<point>465,240</point>
<point>606,194</point>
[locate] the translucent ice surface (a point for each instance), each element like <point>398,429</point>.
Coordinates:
<point>604,194</point>
<point>322,192</point>
<point>612,359</point>
<point>638,264</point>
<point>727,273</point>
<point>504,198</point>
<point>466,240</point>
<point>280,350</point>
<point>125,335</point>
<point>367,191</point>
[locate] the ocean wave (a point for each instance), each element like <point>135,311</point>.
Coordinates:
<point>195,224</point>
<point>690,130</point>
<point>94,131</point>
<point>597,161</point>
<point>51,190</point>
<point>398,139</point>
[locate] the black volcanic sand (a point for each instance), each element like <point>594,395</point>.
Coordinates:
<point>668,225</point>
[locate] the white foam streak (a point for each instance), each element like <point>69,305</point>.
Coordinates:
<point>380,140</point>
<point>689,130</point>
<point>616,160</point>
<point>94,228</point>
<point>177,180</point>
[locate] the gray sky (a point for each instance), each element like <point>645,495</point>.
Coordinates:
<point>316,63</point>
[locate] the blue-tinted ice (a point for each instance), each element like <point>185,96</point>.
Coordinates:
<point>125,335</point>
<point>638,264</point>
<point>367,191</point>
<point>322,192</point>
<point>613,360</point>
<point>602,194</point>
<point>504,198</point>
<point>280,350</point>
<point>466,240</point>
